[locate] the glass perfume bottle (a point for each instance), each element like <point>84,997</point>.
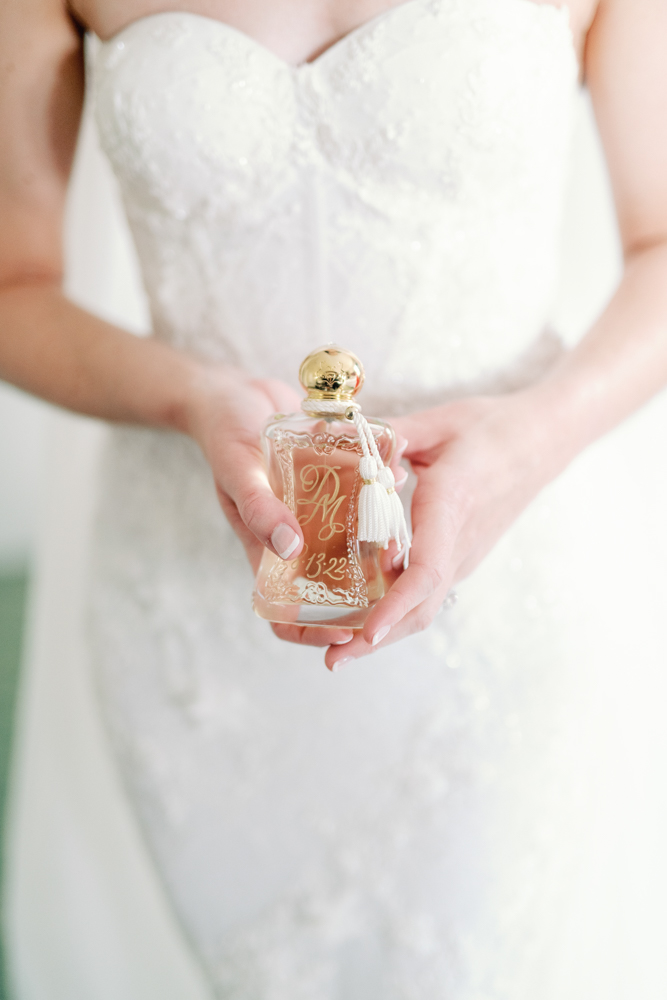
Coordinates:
<point>313,460</point>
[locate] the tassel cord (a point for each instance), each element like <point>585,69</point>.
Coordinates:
<point>381,516</point>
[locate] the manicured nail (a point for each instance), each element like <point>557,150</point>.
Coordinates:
<point>341,642</point>
<point>339,664</point>
<point>380,635</point>
<point>284,540</point>
<point>401,478</point>
<point>402,446</point>
<point>398,559</point>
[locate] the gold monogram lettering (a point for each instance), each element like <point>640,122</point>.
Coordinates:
<point>323,483</point>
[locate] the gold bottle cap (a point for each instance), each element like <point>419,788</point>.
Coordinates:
<point>331,372</point>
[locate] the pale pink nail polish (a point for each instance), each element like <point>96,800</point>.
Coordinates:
<point>380,635</point>
<point>342,642</point>
<point>284,540</point>
<point>341,663</point>
<point>397,560</point>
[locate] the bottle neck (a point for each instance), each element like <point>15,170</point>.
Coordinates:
<point>329,407</point>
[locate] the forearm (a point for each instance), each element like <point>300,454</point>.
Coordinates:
<point>53,349</point>
<point>616,368</point>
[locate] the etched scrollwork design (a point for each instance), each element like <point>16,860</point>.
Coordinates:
<point>281,585</point>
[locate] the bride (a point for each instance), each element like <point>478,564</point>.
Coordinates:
<point>428,823</point>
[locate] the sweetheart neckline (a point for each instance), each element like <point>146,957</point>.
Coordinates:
<point>330,50</point>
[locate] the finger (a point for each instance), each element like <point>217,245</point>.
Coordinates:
<point>409,429</point>
<point>337,658</point>
<point>401,445</point>
<point>436,521</point>
<point>399,472</point>
<point>283,398</point>
<point>267,517</point>
<point>423,431</point>
<point>253,547</point>
<point>401,478</point>
<point>308,636</point>
<point>395,464</point>
<point>388,557</point>
<point>254,551</point>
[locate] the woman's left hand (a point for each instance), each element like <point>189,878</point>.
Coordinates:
<point>479,462</point>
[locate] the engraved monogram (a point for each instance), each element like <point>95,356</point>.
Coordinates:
<point>318,576</point>
<point>321,483</point>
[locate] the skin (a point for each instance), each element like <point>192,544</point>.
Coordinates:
<point>479,462</point>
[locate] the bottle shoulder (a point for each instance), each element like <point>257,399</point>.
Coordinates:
<point>305,423</point>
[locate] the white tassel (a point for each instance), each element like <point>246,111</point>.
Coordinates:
<point>396,523</point>
<point>392,513</point>
<point>381,515</point>
<point>372,505</point>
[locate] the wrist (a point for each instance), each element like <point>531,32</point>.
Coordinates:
<point>202,381</point>
<point>555,414</point>
<point>209,388</point>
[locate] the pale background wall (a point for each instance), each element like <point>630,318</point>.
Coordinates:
<point>22,426</point>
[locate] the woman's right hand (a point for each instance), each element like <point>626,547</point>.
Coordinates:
<point>227,412</point>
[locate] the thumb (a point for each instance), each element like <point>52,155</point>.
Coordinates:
<point>268,518</point>
<point>423,430</point>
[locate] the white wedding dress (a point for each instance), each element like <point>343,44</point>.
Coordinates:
<point>448,819</point>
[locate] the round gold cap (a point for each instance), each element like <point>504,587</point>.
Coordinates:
<point>331,372</point>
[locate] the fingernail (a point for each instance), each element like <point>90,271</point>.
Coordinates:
<point>284,540</point>
<point>398,559</point>
<point>341,663</point>
<point>341,642</point>
<point>380,635</point>
<point>402,446</point>
<point>401,478</point>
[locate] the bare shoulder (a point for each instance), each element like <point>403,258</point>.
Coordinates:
<point>41,88</point>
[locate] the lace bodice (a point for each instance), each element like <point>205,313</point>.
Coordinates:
<point>401,194</point>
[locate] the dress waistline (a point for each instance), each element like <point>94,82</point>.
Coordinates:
<point>529,367</point>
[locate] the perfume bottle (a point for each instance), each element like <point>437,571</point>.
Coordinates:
<point>318,464</point>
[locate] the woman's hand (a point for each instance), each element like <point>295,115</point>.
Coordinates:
<point>307,636</point>
<point>227,413</point>
<point>479,462</point>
